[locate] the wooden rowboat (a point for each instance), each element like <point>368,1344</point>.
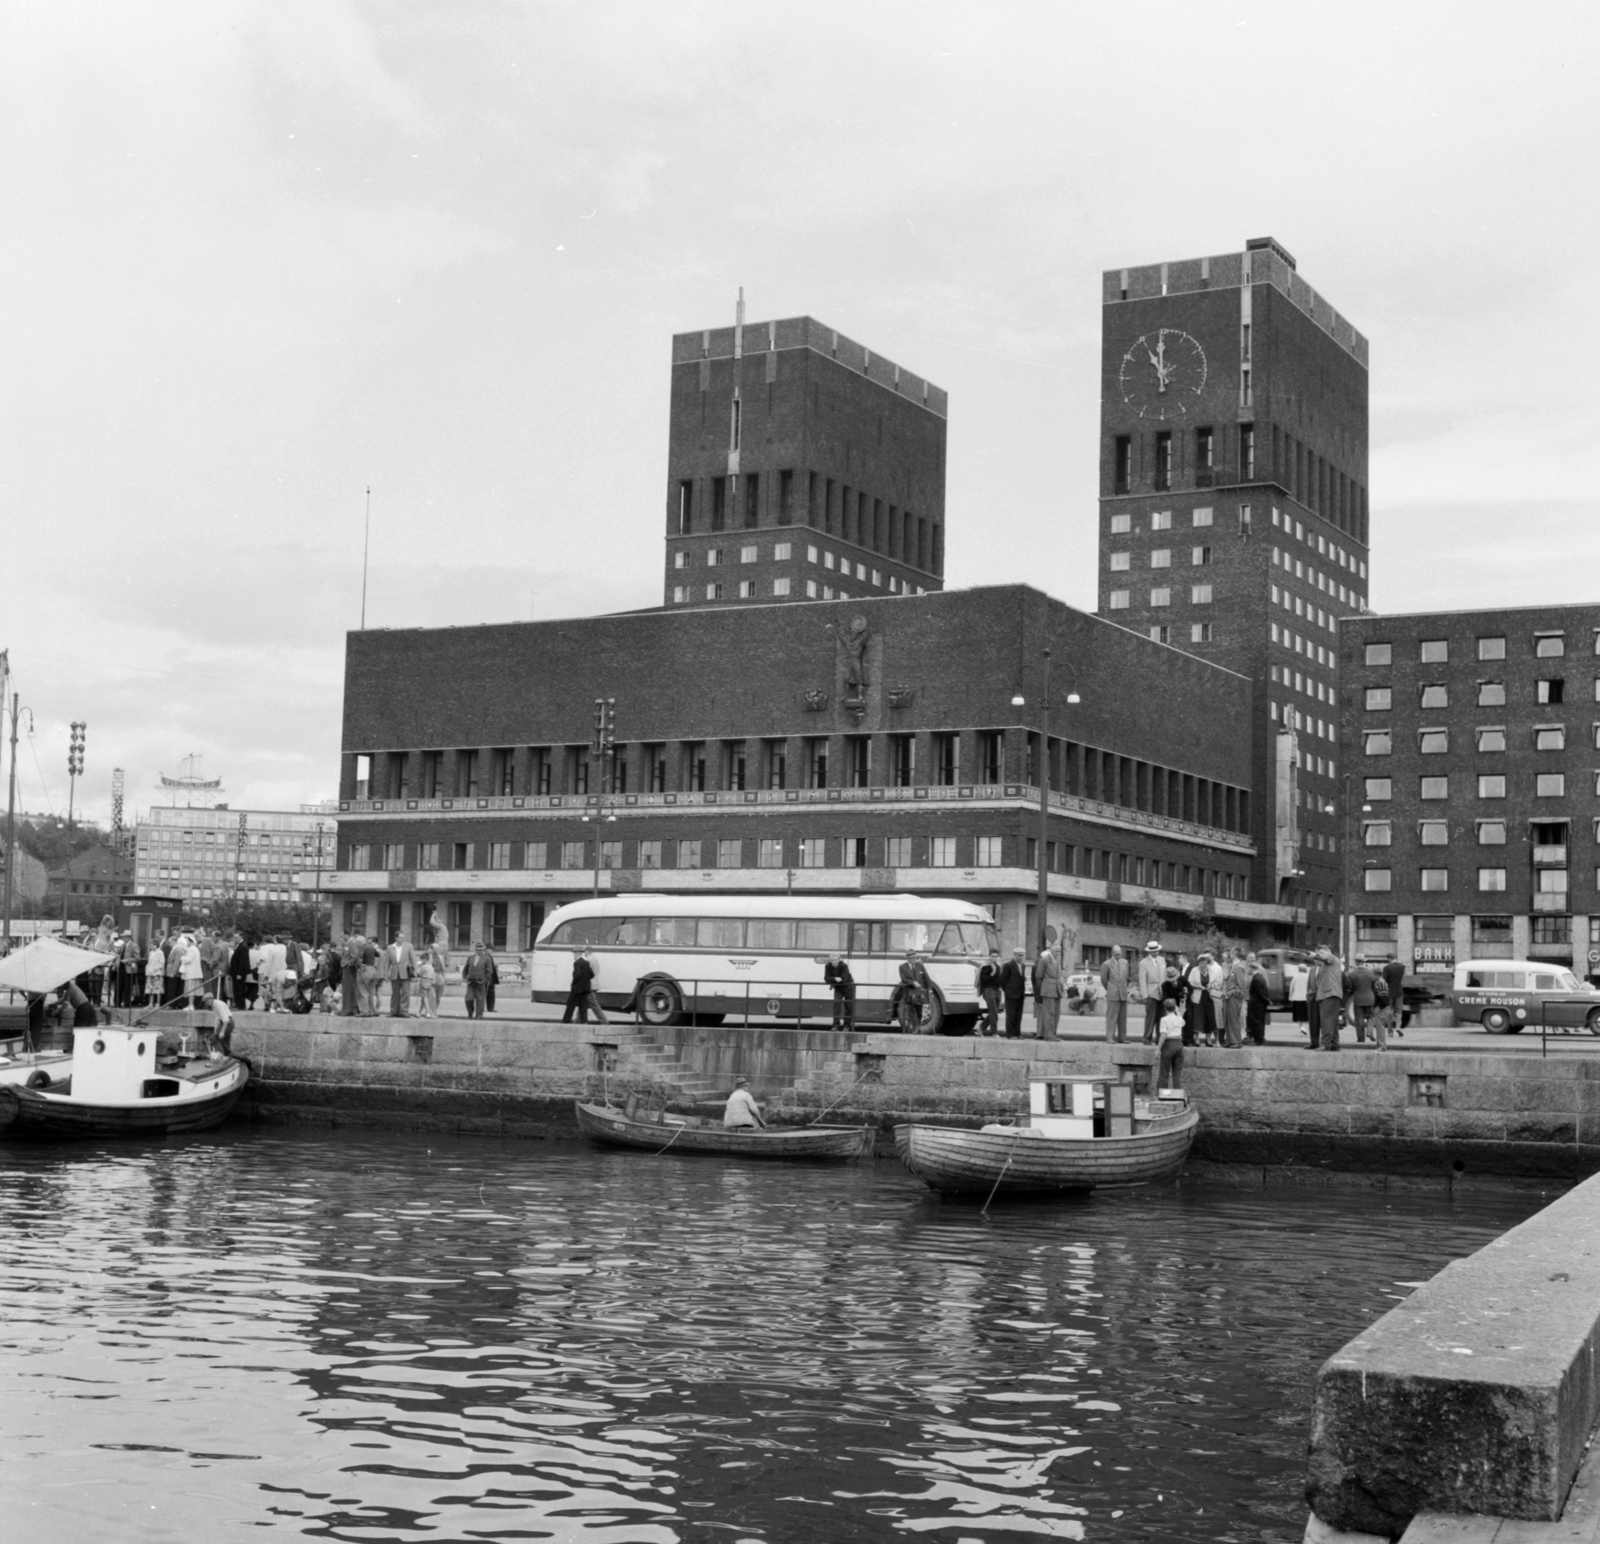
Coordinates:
<point>664,1133</point>
<point>1039,1158</point>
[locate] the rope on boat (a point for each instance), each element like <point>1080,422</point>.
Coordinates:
<point>670,1140</point>
<point>845,1095</point>
<point>1002,1174</point>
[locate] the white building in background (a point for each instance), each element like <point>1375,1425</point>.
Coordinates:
<point>204,855</point>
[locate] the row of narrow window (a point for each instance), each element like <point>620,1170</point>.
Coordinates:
<point>1436,651</point>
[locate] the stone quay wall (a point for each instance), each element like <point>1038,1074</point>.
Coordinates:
<point>1444,1116</point>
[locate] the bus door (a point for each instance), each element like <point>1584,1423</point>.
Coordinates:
<point>876,973</point>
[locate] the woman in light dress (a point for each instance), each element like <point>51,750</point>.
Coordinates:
<point>193,971</point>
<point>155,970</point>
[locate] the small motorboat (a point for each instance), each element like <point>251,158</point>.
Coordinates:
<point>1081,1134</point>
<point>120,1085</point>
<point>658,1131</point>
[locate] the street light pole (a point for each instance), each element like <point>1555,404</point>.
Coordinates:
<point>74,767</point>
<point>602,748</point>
<point>1043,839</point>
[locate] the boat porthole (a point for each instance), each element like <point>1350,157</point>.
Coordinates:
<point>99,1046</point>
<point>140,1051</point>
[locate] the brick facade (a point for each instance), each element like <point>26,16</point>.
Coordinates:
<point>1475,790</point>
<point>1233,510</point>
<point>740,729</point>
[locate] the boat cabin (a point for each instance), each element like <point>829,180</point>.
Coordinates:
<point>113,1063</point>
<point>1095,1107</point>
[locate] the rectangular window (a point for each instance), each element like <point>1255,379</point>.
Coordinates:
<point>1201,516</point>
<point>1379,880</point>
<point>1491,738</point>
<point>572,856</point>
<point>1549,645</point>
<point>1376,833</point>
<point>942,852</point>
<point>689,853</point>
<point>1200,594</point>
<point>853,851</point>
<point>1435,651</point>
<point>1492,786</point>
<point>1247,432</point>
<point>1161,635</point>
<point>533,855</point>
<point>1550,738</point>
<point>1434,788</point>
<point>427,855</point>
<point>747,589</point>
<point>897,852</point>
<point>1201,557</point>
<point>1380,653</point>
<point>1199,632</point>
<point>1491,879</point>
<point>713,592</point>
<point>1121,525</point>
<point>1433,742</point>
<point>1161,557</point>
<point>946,759</point>
<point>1491,833</point>
<point>769,854</point>
<point>679,594</point>
<point>360,856</point>
<point>1550,785</point>
<point>1380,788</point>
<point>989,852</point>
<point>1204,449</point>
<point>1162,597</point>
<point>813,852</point>
<point>1163,468</point>
<point>680,558</point>
<point>713,557</point>
<point>1491,648</point>
<point>729,853</point>
<point>1551,690</point>
<point>811,589</point>
<point>1379,699</point>
<point>1378,742</point>
<point>1435,695</point>
<point>1117,600</point>
<point>780,586</point>
<point>499,855</point>
<point>1121,466</point>
<point>1161,520</point>
<point>748,554</point>
<point>1434,833</point>
<point>1434,878</point>
<point>782,552</point>
<point>1118,562</point>
<point>685,508</point>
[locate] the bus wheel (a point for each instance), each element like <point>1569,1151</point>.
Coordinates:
<point>1592,1023</point>
<point>1497,1021</point>
<point>660,1003</point>
<point>932,1014</point>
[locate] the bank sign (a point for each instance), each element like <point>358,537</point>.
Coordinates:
<point>1434,959</point>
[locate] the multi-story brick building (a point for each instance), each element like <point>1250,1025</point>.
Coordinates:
<point>1474,739</point>
<point>1233,518</point>
<point>863,745</point>
<point>800,466</point>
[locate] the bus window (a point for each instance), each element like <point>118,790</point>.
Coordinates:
<point>582,931</point>
<point>561,938</point>
<point>869,937</point>
<point>719,932</point>
<point>672,932</point>
<point>770,933</point>
<point>821,937</point>
<point>991,938</point>
<point>964,938</point>
<point>632,931</point>
<point>910,935</point>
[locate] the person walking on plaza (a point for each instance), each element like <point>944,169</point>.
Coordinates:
<point>1114,978</point>
<point>1258,1003</point>
<point>1394,977</point>
<point>578,993</point>
<point>475,977</point>
<point>989,994</point>
<point>1152,978</point>
<point>1014,989</point>
<point>836,974</point>
<point>912,992</point>
<point>1235,989</point>
<point>1361,1000</point>
<point>1326,995</point>
<point>741,1111</point>
<point>1047,993</point>
<point>399,970</point>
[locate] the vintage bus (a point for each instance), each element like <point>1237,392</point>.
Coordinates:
<point>697,959</point>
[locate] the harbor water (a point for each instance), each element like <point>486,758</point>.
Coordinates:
<point>387,1338</point>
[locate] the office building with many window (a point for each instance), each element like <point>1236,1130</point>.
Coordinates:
<point>1234,519</point>
<point>203,855</point>
<point>1473,743</point>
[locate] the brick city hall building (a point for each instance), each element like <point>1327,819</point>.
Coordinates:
<point>867,740</point>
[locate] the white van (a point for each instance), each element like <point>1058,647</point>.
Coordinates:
<point>1507,996</point>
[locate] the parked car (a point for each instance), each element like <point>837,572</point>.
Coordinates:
<point>1279,965</point>
<point>1507,996</point>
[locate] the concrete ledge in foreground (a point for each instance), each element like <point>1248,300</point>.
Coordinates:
<point>1475,1395</point>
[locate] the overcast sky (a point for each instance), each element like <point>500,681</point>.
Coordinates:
<point>257,257</point>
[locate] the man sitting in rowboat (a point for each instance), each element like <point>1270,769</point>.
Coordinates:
<point>742,1110</point>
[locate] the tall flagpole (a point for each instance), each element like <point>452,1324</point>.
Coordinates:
<point>366,544</point>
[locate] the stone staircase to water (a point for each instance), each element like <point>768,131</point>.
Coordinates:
<point>640,1053</point>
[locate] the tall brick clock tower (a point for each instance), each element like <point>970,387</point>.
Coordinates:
<point>1233,521</point>
<point>801,465</point>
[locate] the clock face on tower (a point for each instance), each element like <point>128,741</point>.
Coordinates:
<point>1163,374</point>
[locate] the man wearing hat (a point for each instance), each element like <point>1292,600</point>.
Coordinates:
<point>1114,978</point>
<point>1152,977</point>
<point>742,1112</point>
<point>1014,988</point>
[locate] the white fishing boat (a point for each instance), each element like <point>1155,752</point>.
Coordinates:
<point>122,1085</point>
<point>1080,1134</point>
<point>43,966</point>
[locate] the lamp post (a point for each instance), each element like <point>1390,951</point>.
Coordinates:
<point>74,769</point>
<point>316,901</point>
<point>1346,874</point>
<point>602,753</point>
<point>1043,842</point>
<point>11,814</point>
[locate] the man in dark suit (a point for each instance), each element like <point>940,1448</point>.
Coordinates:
<point>1394,977</point>
<point>578,992</point>
<point>843,986</point>
<point>1014,988</point>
